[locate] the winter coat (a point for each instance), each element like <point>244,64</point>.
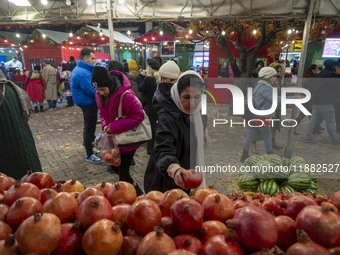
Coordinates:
<point>148,88</point>
<point>17,151</point>
<point>327,89</point>
<point>263,97</point>
<point>83,92</point>
<point>71,65</point>
<point>35,87</point>
<point>133,78</point>
<point>131,108</point>
<point>174,142</point>
<point>49,73</point>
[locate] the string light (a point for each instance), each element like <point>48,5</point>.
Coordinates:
<point>223,32</point>
<point>101,32</point>
<point>289,31</point>
<point>70,34</point>
<point>161,32</point>
<point>190,31</point>
<point>254,32</point>
<point>17,35</point>
<point>128,32</point>
<point>44,35</point>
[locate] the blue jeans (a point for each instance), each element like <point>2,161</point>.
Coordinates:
<point>337,116</point>
<point>52,104</point>
<point>266,133</point>
<point>320,112</point>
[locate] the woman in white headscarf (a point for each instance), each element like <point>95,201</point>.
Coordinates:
<point>180,134</point>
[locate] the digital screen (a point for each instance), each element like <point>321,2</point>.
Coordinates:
<point>331,48</point>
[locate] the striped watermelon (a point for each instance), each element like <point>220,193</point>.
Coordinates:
<point>275,160</point>
<point>286,189</point>
<point>299,181</point>
<point>297,161</point>
<point>312,191</point>
<point>261,166</point>
<point>248,182</point>
<point>253,160</point>
<point>268,187</point>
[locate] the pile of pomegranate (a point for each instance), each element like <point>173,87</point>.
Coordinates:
<point>40,216</point>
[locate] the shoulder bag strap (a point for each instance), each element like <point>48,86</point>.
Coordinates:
<point>120,104</point>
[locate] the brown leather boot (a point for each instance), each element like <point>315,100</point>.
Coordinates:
<point>277,146</point>
<point>254,149</point>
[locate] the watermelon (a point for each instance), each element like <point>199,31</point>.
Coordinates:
<point>248,182</point>
<point>299,181</point>
<point>286,189</point>
<point>253,160</point>
<point>263,170</point>
<point>297,161</point>
<point>275,160</point>
<point>268,187</point>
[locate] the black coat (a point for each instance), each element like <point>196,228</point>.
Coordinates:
<point>148,87</point>
<point>174,142</point>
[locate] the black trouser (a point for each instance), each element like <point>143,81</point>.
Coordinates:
<point>69,101</point>
<point>124,168</point>
<point>90,121</point>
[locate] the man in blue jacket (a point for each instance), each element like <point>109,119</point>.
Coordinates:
<point>83,94</point>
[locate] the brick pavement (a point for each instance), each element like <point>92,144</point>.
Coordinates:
<point>58,137</point>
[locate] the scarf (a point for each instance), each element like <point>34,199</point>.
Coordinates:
<point>196,122</point>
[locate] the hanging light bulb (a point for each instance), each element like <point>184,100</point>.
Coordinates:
<point>44,35</point>
<point>17,35</point>
<point>121,1</point>
<point>68,2</point>
<point>254,32</point>
<point>70,34</point>
<point>223,32</point>
<point>101,32</point>
<point>128,32</point>
<point>190,31</point>
<point>161,32</point>
<point>207,32</point>
<point>89,2</point>
<point>289,31</point>
<point>44,2</point>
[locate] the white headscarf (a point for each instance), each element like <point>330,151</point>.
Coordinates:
<point>196,122</point>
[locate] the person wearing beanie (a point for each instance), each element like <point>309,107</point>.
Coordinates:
<point>110,86</point>
<point>115,66</point>
<point>263,100</point>
<point>134,77</point>
<point>148,87</point>
<point>169,71</point>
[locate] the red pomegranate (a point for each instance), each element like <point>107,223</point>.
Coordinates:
<point>5,229</point>
<point>9,246</point>
<point>92,209</point>
<point>305,246</point>
<point>3,211</point>
<point>211,228</point>
<point>39,234</point>
<point>119,215</point>
<point>201,193</point>
<point>187,215</point>
<point>193,179</point>
<point>255,228</point>
<point>274,251</point>
<point>218,207</point>
<point>122,191</point>
<point>295,204</point>
<point>130,243</point>
<point>19,190</point>
<point>103,237</point>
<point>73,186</point>
<point>70,241</point>
<point>170,197</point>
<point>287,231</point>
<point>321,225</point>
<point>90,191</point>
<point>331,207</point>
<point>272,205</point>
<point>22,209</point>
<point>181,252</point>
<point>188,242</point>
<point>104,187</point>
<point>58,186</point>
<point>168,225</point>
<point>156,242</point>
<point>6,182</point>
<point>47,194</point>
<point>41,180</point>
<point>334,199</point>
<point>334,251</point>
<point>143,216</point>
<point>155,196</point>
<point>217,245</point>
<point>24,178</point>
<point>240,203</point>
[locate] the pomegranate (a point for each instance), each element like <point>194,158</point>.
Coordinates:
<point>3,211</point>
<point>274,251</point>
<point>92,209</point>
<point>217,245</point>
<point>5,229</point>
<point>286,230</point>
<point>41,180</point>
<point>104,187</point>
<point>188,242</point>
<point>331,207</point>
<point>19,190</point>
<point>90,191</point>
<point>295,204</point>
<point>122,191</point>
<point>187,215</point>
<point>218,207</point>
<point>305,246</point>
<point>192,179</point>
<point>181,252</point>
<point>47,194</point>
<point>272,205</point>
<point>58,186</point>
<point>64,205</point>
<point>22,209</point>
<point>201,193</point>
<point>24,178</point>
<point>334,199</point>
<point>6,182</point>
<point>119,215</point>
<point>240,203</point>
<point>9,246</point>
<point>168,225</point>
<point>156,242</point>
<point>170,197</point>
<point>321,225</point>
<point>103,237</point>
<point>155,196</point>
<point>211,228</point>
<point>130,243</point>
<point>2,198</point>
<point>255,228</point>
<point>72,186</point>
<point>39,234</point>
<point>70,241</point>
<point>334,251</point>
<point>143,216</point>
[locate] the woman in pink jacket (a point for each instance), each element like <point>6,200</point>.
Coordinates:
<point>109,87</point>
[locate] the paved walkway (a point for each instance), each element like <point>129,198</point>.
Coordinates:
<point>58,137</point>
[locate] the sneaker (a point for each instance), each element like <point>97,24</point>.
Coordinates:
<point>96,152</point>
<point>93,159</point>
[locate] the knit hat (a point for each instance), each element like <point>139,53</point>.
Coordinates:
<point>45,60</point>
<point>276,66</point>
<point>169,70</point>
<point>267,72</point>
<point>153,64</point>
<point>133,65</point>
<point>329,63</point>
<point>101,77</point>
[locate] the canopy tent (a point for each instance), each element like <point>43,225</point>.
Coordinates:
<point>11,38</point>
<point>67,11</point>
<point>118,37</point>
<point>56,36</point>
